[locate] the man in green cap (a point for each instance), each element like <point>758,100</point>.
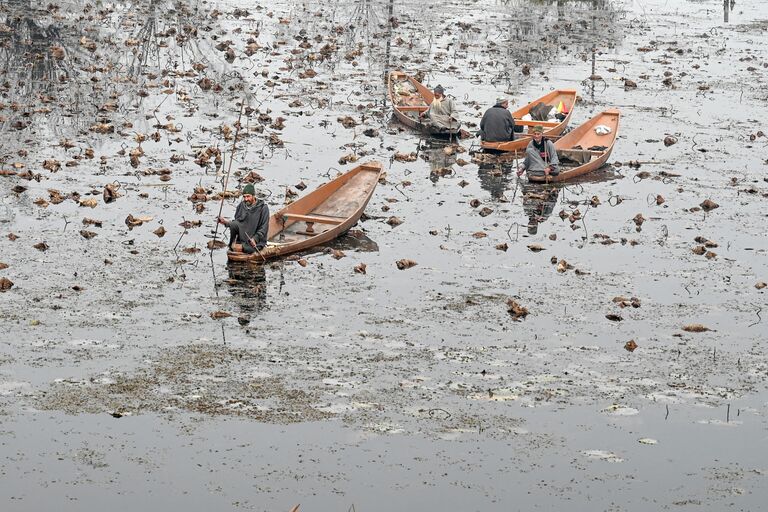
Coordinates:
<point>540,156</point>
<point>248,230</point>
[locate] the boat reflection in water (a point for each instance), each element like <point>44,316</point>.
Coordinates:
<point>354,240</point>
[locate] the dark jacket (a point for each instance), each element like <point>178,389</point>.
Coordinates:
<point>497,125</point>
<point>251,222</point>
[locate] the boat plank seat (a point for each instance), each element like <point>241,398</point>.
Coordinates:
<point>319,219</point>
<point>412,108</point>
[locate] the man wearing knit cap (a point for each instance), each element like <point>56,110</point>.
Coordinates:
<point>497,124</point>
<point>248,230</point>
<point>442,111</point>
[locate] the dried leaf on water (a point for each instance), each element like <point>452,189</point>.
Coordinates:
<point>216,315</point>
<point>51,165</point>
<point>5,284</point>
<point>42,246</point>
<point>213,244</point>
<point>630,346</point>
<point>614,317</point>
<point>347,122</point>
<point>405,263</point>
<point>485,212</point>
<point>160,232</point>
<point>132,221</point>
<point>405,157</point>
<point>760,285</point>
<point>516,310</point>
<point>360,268</point>
<point>706,242</point>
<point>696,328</point>
<point>394,221</point>
<point>699,250</point>
<point>303,262</point>
<point>92,222</point>
<point>563,265</point>
<point>13,237</point>
<point>110,192</point>
<point>90,203</point>
<point>474,203</point>
<point>535,248</point>
<point>709,205</point>
<point>337,254</point>
<point>479,234</point>
<point>87,234</point>
<point>3,266</point>
<point>502,247</point>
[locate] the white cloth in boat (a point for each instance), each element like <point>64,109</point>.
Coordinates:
<point>601,129</point>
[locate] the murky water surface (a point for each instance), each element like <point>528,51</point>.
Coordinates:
<point>411,389</point>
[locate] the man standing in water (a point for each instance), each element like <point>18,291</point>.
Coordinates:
<point>497,124</point>
<point>248,230</point>
<point>540,156</point>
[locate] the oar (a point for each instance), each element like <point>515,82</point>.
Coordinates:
<point>226,179</point>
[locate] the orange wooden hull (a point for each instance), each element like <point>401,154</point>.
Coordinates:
<point>407,108</point>
<point>574,146</point>
<point>567,96</point>
<point>318,217</point>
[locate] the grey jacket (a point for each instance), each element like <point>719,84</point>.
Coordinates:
<point>497,125</point>
<point>250,222</point>
<point>535,164</point>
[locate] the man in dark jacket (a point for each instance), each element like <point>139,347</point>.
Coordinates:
<point>248,230</point>
<point>497,124</point>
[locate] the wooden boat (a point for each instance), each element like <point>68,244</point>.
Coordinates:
<point>583,150</point>
<point>410,98</point>
<point>318,217</point>
<point>551,129</point>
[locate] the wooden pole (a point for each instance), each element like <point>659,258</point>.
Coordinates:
<point>229,169</point>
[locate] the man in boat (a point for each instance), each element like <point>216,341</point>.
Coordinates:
<point>540,156</point>
<point>497,124</point>
<point>248,230</point>
<point>441,112</point>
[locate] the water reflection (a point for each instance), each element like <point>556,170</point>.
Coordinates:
<point>497,179</point>
<point>539,202</point>
<point>355,240</point>
<point>248,286</point>
<point>67,62</point>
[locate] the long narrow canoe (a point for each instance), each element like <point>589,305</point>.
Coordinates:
<point>410,98</point>
<point>551,129</point>
<point>318,217</point>
<point>584,150</point>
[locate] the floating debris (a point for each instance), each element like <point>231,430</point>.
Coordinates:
<point>695,328</point>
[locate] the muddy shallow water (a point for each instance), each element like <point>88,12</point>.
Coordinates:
<point>389,389</point>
